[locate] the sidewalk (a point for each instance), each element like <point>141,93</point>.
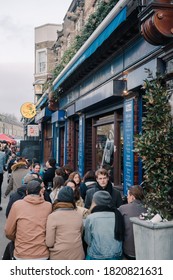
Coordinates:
<point>3,239</point>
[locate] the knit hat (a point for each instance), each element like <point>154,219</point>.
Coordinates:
<point>66,194</point>
<point>102,198</point>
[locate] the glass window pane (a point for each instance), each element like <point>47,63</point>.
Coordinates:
<point>42,61</point>
<point>105,146</point>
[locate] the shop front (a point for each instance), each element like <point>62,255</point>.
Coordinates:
<point>101,94</point>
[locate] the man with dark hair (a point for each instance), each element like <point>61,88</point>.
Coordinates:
<point>49,174</point>
<point>67,171</point>
<point>26,224</point>
<point>134,208</point>
<point>103,183</point>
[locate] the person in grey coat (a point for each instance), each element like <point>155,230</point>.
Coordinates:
<point>103,184</point>
<point>133,208</point>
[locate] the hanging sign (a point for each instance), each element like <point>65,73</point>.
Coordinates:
<point>33,130</point>
<point>28,110</point>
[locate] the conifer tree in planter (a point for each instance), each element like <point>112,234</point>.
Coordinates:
<point>155,148</point>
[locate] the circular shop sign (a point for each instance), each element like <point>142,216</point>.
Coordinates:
<point>28,110</point>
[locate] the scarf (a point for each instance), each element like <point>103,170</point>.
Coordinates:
<point>119,222</point>
<point>58,205</point>
<point>108,188</point>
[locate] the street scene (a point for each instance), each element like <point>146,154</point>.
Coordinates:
<point>86,173</point>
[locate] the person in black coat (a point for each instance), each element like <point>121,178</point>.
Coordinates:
<point>19,194</point>
<point>49,174</point>
<point>89,180</point>
<point>103,183</point>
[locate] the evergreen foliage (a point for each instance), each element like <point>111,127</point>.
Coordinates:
<point>155,148</point>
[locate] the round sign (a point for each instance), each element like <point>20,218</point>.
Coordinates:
<point>28,110</point>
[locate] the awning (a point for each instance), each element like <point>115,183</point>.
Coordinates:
<point>43,115</point>
<point>6,138</point>
<point>58,116</point>
<point>95,44</point>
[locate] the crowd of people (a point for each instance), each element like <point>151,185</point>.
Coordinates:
<point>53,213</point>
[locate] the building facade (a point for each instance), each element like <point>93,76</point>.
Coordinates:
<point>45,58</point>
<point>11,127</point>
<point>99,92</point>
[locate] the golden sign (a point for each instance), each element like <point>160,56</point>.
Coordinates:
<point>28,110</point>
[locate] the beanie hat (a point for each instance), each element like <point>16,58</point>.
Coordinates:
<point>102,198</point>
<point>66,194</point>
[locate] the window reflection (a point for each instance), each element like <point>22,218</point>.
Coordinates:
<point>105,146</point>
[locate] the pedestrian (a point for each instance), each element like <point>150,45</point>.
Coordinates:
<point>20,193</point>
<point>2,167</point>
<point>11,161</point>
<point>60,172</point>
<point>77,197</point>
<point>67,169</point>
<point>58,182</point>
<point>133,208</point>
<point>104,229</point>
<point>26,224</point>
<point>103,183</point>
<point>75,176</point>
<point>64,228</point>
<point>19,170</point>
<point>34,169</point>
<point>49,174</point>
<point>89,181</point>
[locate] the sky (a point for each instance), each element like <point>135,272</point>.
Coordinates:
<point>18,19</point>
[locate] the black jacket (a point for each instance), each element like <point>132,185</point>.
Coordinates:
<point>48,176</point>
<point>115,194</point>
<point>19,194</point>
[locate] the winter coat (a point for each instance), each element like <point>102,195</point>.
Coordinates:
<point>26,225</point>
<point>115,194</point>
<point>84,186</point>
<point>48,176</point>
<point>19,170</point>
<point>133,209</point>
<point>64,234</point>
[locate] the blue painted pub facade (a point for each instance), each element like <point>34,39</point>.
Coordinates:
<point>100,105</point>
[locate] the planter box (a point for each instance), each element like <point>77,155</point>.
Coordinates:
<point>153,241</point>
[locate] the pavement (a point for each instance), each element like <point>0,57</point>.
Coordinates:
<point>3,239</point>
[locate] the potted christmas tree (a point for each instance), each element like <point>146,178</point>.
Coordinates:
<point>155,148</point>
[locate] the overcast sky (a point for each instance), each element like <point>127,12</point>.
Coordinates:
<point>18,18</point>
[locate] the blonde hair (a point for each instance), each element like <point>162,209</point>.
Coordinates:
<point>101,171</point>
